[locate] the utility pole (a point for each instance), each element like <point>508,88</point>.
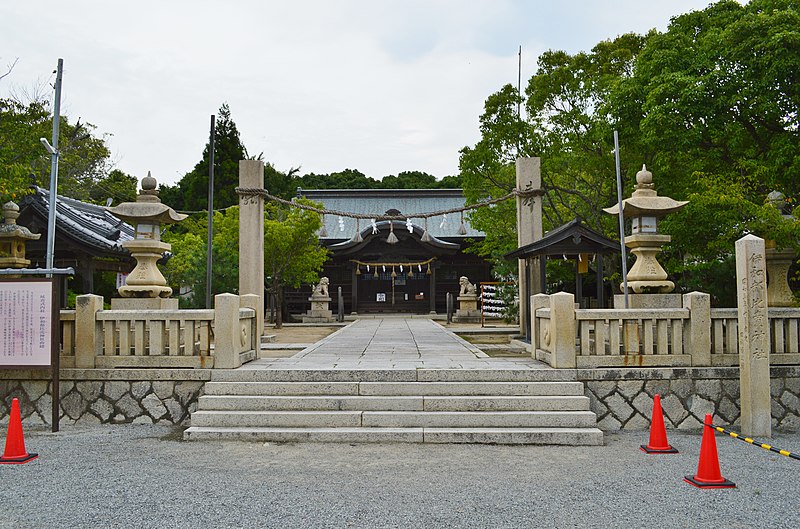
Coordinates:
<point>53,150</point>
<point>210,212</point>
<point>621,221</point>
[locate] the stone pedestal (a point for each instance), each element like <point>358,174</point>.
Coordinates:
<point>467,309</point>
<point>754,346</point>
<point>146,281</point>
<point>646,276</point>
<point>779,294</point>
<point>320,310</point>
<point>144,304</point>
<point>649,301</point>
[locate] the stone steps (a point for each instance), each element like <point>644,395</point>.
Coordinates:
<point>536,436</point>
<point>436,406</point>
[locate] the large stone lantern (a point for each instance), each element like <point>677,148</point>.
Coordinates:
<point>645,208</point>
<point>13,238</point>
<point>779,261</point>
<point>147,215</point>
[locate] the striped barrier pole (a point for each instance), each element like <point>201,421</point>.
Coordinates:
<point>753,442</point>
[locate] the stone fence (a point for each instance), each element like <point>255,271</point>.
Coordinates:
<point>222,337</point>
<point>692,336</point>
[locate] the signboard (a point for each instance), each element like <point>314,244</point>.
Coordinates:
<point>380,297</point>
<point>26,323</point>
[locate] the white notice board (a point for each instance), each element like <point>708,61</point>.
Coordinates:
<point>26,314</point>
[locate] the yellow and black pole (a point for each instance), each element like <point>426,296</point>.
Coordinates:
<point>755,443</point>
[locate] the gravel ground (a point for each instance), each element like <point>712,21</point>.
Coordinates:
<point>146,476</point>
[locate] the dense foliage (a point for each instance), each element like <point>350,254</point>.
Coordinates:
<point>710,105</point>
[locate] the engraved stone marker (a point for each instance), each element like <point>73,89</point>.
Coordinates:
<point>754,346</point>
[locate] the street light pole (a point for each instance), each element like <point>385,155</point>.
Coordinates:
<point>53,150</point>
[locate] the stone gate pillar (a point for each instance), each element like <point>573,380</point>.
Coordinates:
<point>529,230</point>
<point>251,235</point>
<point>754,343</point>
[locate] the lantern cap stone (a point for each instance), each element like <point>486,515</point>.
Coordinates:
<point>10,228</point>
<point>644,201</point>
<point>148,207</point>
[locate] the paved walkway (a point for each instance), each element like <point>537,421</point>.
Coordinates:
<point>393,343</point>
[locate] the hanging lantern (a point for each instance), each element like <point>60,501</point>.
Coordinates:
<point>323,232</point>
<point>392,238</point>
<point>426,237</point>
<point>462,228</point>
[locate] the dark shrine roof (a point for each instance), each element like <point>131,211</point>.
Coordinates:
<point>571,238</point>
<point>86,223</point>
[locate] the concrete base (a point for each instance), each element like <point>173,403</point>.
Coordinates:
<point>144,304</point>
<point>649,301</point>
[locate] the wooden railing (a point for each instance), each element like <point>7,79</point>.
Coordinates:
<point>694,335</point>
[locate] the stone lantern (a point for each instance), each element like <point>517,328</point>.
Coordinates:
<point>12,239</point>
<point>779,261</point>
<point>147,215</point>
<point>645,208</point>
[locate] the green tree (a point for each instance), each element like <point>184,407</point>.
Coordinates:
<point>117,185</point>
<point>191,192</point>
<point>292,253</point>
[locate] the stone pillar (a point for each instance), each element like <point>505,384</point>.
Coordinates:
<point>563,329</point>
<point>754,376</point>
<point>251,236</point>
<point>227,331</point>
<point>88,332</point>
<point>698,334</point>
<point>538,301</point>
<point>529,229</point>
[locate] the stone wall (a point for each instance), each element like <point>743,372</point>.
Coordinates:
<point>109,396</point>
<point>623,398</point>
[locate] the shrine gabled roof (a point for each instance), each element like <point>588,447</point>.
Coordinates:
<point>569,239</point>
<point>403,201</point>
<point>87,223</point>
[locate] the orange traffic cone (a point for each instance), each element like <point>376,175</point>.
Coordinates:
<point>658,434</point>
<point>708,475</point>
<point>15,442</point>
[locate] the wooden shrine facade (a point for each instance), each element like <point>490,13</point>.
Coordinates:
<point>412,275</point>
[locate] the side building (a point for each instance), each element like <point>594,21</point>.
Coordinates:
<point>378,274</point>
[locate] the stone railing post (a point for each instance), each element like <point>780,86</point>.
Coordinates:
<point>227,335</point>
<point>538,301</point>
<point>562,330</point>
<point>697,338</point>
<point>88,332</point>
<point>252,301</point>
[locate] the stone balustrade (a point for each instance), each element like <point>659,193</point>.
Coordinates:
<point>692,336</point>
<point>223,337</point>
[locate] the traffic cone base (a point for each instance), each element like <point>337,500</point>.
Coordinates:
<point>18,460</point>
<point>658,434</point>
<point>723,484</point>
<point>15,452</point>
<point>649,450</point>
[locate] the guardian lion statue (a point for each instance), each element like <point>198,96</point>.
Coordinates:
<point>321,288</point>
<point>467,288</point>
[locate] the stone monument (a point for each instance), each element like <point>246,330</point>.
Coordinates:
<point>468,311</point>
<point>754,346</point>
<point>320,304</point>
<point>145,287</point>
<point>13,238</point>
<point>646,278</point>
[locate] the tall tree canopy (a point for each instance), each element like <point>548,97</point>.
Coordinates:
<point>710,105</point>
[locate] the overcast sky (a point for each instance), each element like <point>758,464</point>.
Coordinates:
<point>378,86</point>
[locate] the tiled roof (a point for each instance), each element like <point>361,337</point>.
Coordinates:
<point>88,223</point>
<point>379,201</point>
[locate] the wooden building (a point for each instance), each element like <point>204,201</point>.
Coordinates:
<point>412,275</point>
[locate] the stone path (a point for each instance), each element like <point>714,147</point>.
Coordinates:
<point>393,343</point>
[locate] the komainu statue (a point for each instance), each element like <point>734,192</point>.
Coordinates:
<point>321,288</point>
<point>467,288</point>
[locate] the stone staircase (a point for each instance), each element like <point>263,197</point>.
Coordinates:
<point>415,406</point>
